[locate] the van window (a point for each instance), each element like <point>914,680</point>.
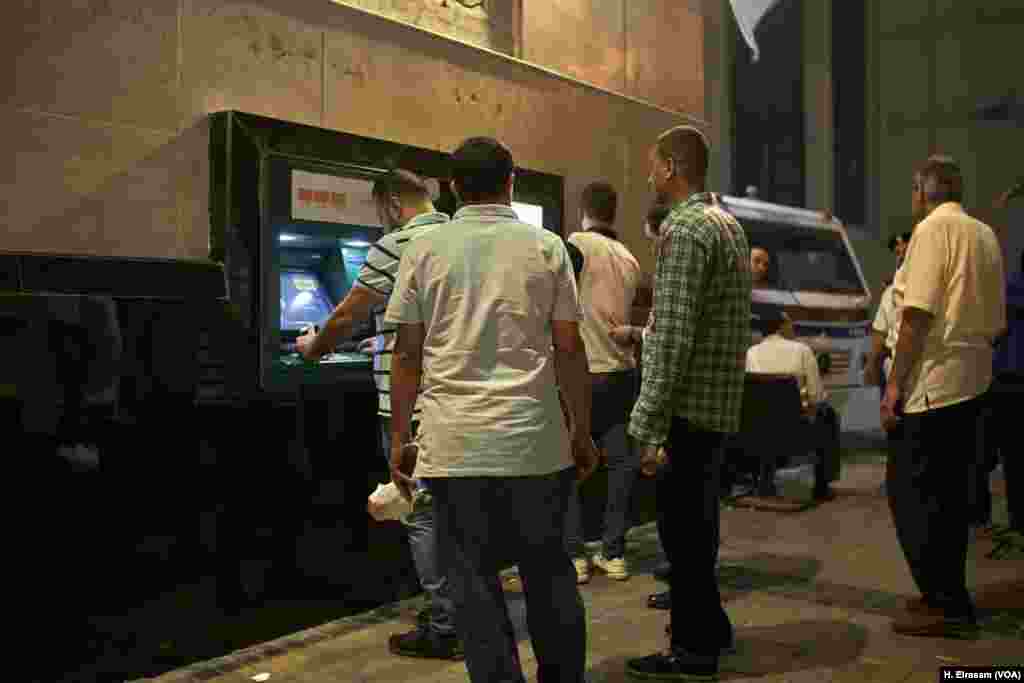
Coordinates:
<point>804,258</point>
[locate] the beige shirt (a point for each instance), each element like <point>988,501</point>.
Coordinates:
<point>486,289</point>
<point>953,269</point>
<point>778,355</point>
<point>887,323</point>
<point>607,290</point>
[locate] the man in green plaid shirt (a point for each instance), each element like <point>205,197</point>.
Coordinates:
<point>693,365</point>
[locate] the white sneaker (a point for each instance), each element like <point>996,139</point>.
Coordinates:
<point>582,569</point>
<point>615,568</point>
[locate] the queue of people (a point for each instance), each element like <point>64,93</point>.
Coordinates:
<point>509,356</point>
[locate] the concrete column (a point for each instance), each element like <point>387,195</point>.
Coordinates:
<point>872,119</point>
<point>719,42</point>
<point>819,151</point>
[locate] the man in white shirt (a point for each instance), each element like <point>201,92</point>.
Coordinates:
<point>607,290</point>
<point>488,317</point>
<point>406,210</point>
<point>952,302</point>
<point>780,353</point>
<point>884,329</point>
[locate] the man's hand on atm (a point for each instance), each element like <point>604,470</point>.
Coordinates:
<point>367,346</point>
<point>304,344</point>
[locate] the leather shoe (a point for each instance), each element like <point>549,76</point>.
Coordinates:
<point>934,623</point>
<point>661,600</point>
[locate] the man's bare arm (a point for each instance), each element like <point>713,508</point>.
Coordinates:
<point>572,373</point>
<point>873,364</point>
<point>406,373</point>
<point>356,306</point>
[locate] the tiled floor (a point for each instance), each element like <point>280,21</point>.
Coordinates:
<point>811,595</point>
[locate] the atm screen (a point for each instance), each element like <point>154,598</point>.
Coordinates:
<point>304,300</point>
<point>529,213</point>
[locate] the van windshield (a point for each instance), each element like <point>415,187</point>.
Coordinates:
<point>804,259</point>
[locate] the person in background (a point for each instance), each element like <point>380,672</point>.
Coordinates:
<point>624,334</point>
<point>1005,395</point>
<point>405,209</point>
<point>884,329</point>
<point>780,353</point>
<point>607,290</point>
<point>951,298</point>
<point>898,246</point>
<point>692,389</point>
<point>488,325</point>
<point>760,264</point>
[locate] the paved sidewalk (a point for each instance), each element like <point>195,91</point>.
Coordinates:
<point>811,595</point>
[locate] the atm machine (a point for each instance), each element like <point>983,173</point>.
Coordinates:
<point>292,220</point>
<point>322,222</point>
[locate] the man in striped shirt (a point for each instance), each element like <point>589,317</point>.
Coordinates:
<point>404,207</point>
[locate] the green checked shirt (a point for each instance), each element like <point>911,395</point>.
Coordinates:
<point>695,357</point>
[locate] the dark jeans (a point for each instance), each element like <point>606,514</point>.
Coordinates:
<point>927,482</point>
<point>827,467</point>
<point>485,524</point>
<point>688,525</point>
<point>613,395</point>
<point>999,444</point>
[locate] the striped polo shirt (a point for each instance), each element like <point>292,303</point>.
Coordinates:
<point>378,274</point>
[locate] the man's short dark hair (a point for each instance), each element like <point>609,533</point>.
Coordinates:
<point>405,185</point>
<point>941,179</point>
<point>905,236</point>
<point>688,149</point>
<point>481,168</point>
<point>600,201</point>
<point>656,215</point>
<point>576,257</point>
<point>772,319</point>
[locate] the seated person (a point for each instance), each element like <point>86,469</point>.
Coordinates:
<point>760,265</point>
<point>780,353</point>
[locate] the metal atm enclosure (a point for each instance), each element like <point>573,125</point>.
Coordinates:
<point>292,220</point>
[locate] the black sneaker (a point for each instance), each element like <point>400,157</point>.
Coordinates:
<point>674,665</point>
<point>427,644</point>
<point>728,646</point>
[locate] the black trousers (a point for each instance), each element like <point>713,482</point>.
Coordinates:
<point>688,526</point>
<point>927,480</point>
<point>998,444</point>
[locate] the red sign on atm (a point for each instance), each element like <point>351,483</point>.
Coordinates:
<point>335,199</point>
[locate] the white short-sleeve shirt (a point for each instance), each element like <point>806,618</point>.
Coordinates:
<point>486,289</point>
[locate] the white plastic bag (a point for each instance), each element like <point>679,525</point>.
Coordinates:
<point>386,503</point>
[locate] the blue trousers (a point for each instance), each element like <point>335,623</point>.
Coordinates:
<point>423,545</point>
<point>486,524</point>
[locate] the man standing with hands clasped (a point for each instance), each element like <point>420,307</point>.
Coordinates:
<point>950,295</point>
<point>693,365</point>
<point>488,320</point>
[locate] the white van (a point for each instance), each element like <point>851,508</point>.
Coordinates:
<point>816,279</point>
